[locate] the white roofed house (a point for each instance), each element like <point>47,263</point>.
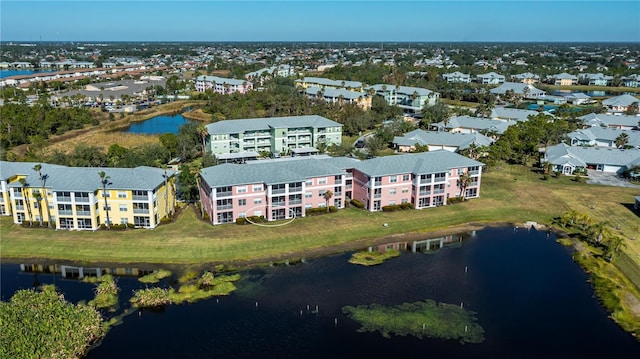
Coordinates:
<point>490,78</point>
<point>611,121</point>
<point>631,81</point>
<point>408,98</point>
<point>563,79</point>
<point>513,114</point>
<point>438,140</point>
<point>468,124</point>
<point>270,72</point>
<point>526,78</point>
<point>598,79</point>
<point>566,159</point>
<point>333,95</point>
<point>603,137</point>
<point>519,89</point>
<point>620,103</point>
<point>457,77</point>
<point>222,85</point>
<point>328,83</point>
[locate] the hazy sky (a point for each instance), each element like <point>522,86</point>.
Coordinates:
<point>425,21</point>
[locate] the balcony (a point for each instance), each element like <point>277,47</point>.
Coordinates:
<point>295,201</point>
<point>65,213</point>
<point>377,195</point>
<point>63,199</point>
<point>140,198</point>
<point>82,199</point>
<point>83,213</point>
<point>474,173</point>
<point>438,191</point>
<point>141,210</point>
<point>278,190</point>
<point>424,193</point>
<point>279,203</point>
<point>224,206</point>
<point>377,183</point>
<point>19,208</point>
<point>224,194</point>
<point>349,186</point>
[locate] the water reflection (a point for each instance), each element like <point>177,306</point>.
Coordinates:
<point>75,272</point>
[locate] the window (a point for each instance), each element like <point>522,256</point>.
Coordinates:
<point>242,215</point>
<point>122,194</point>
<point>257,187</point>
<point>308,195</point>
<point>321,193</point>
<point>242,189</point>
<point>393,179</point>
<point>123,208</point>
<point>405,190</point>
<point>106,194</point>
<point>392,203</point>
<point>106,208</point>
<point>257,213</point>
<point>309,182</point>
<point>242,202</point>
<point>322,180</point>
<point>257,200</point>
<point>392,191</point>
<point>405,178</point>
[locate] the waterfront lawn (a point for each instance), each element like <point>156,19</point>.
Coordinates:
<point>510,194</point>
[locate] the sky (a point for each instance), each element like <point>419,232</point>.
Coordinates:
<point>315,21</point>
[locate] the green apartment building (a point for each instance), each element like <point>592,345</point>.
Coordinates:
<point>277,135</point>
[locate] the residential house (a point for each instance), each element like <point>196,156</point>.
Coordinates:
<point>140,196</point>
<point>324,83</point>
<point>578,98</point>
<point>412,99</point>
<point>276,135</point>
<point>511,114</point>
<point>468,124</point>
<point>426,179</point>
<point>526,78</point>
<point>598,79</point>
<point>274,189</point>
<point>333,95</point>
<point>631,81</point>
<point>222,85</point>
<point>518,89</point>
<point>563,79</point>
<point>603,137</point>
<point>490,78</point>
<point>457,77</point>
<point>620,103</point>
<point>611,121</point>
<point>566,159</point>
<point>438,140</point>
<point>270,72</point>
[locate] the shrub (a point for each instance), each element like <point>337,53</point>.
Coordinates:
<point>165,220</point>
<point>454,200</point>
<point>407,205</point>
<point>391,208</point>
<point>241,220</point>
<point>357,203</point>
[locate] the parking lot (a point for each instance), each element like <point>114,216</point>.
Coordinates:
<point>608,179</point>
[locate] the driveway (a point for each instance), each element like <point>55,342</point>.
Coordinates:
<point>608,179</point>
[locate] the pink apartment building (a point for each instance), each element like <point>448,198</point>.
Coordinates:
<point>275,189</point>
<point>222,85</point>
<point>425,179</point>
<point>286,188</point>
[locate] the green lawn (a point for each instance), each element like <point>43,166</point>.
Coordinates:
<point>511,194</point>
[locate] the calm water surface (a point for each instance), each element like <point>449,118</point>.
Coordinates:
<point>529,296</point>
<point>158,125</point>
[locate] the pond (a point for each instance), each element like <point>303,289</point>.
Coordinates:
<point>531,299</point>
<point>158,125</point>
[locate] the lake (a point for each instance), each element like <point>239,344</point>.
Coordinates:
<point>531,299</point>
<point>158,125</point>
<point>8,73</point>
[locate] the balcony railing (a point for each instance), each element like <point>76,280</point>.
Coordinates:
<point>82,199</point>
<point>83,213</point>
<point>349,186</point>
<point>140,198</point>
<point>141,210</point>
<point>377,195</point>
<point>438,191</point>
<point>223,194</point>
<point>19,208</point>
<point>425,193</point>
<point>278,190</point>
<point>224,206</point>
<point>65,213</point>
<point>295,201</point>
<point>377,183</point>
<point>474,173</point>
<point>63,199</point>
<point>279,203</point>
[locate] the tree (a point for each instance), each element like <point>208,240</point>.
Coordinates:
<point>27,200</point>
<point>195,169</point>
<point>598,232</point>
<point>104,180</point>
<point>43,182</point>
<point>622,140</point>
<point>432,114</point>
<point>327,197</point>
<point>632,109</point>
<point>38,197</point>
<point>463,183</point>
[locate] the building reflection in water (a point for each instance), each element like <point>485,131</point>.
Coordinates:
<point>75,272</point>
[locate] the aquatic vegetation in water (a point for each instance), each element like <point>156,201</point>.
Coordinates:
<point>367,258</point>
<point>426,319</point>
<point>206,286</point>
<point>106,293</point>
<point>155,277</point>
<point>42,324</point>
<point>150,298</point>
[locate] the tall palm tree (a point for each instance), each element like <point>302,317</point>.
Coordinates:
<point>195,169</point>
<point>38,197</point>
<point>463,183</point>
<point>104,179</point>
<point>327,197</point>
<point>202,131</point>
<point>622,140</point>
<point>25,195</point>
<point>43,181</point>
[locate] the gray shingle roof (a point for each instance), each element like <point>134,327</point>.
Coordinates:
<point>437,138</point>
<point>334,93</point>
<point>518,89</point>
<point>221,80</point>
<point>622,100</point>
<point>329,82</point>
<point>593,155</point>
<point>417,163</point>
<point>406,90</point>
<point>86,179</point>
<point>477,123</point>
<point>257,124</point>
<point>269,172</point>
<point>599,119</point>
<point>512,114</point>
<point>605,134</point>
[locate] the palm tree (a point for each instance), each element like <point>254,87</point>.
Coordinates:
<point>463,183</point>
<point>327,196</point>
<point>203,132</point>
<point>622,140</point>
<point>25,195</point>
<point>598,232</point>
<point>195,169</point>
<point>38,197</point>
<point>43,182</point>
<point>104,179</point>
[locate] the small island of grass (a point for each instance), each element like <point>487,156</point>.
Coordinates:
<point>155,277</point>
<point>367,258</point>
<point>426,319</point>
